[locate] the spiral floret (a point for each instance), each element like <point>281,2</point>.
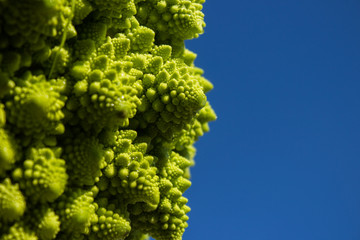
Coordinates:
<point>43,176</point>
<point>35,106</point>
<point>9,151</point>
<point>76,210</point>
<point>33,21</point>
<point>110,224</point>
<point>85,157</point>
<point>12,201</point>
<point>19,231</point>
<point>168,221</point>
<point>172,20</point>
<point>132,174</point>
<point>44,221</point>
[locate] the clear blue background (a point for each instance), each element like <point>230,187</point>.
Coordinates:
<point>282,161</point>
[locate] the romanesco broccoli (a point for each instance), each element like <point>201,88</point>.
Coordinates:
<point>100,106</point>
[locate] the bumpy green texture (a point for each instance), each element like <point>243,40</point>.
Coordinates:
<point>100,107</point>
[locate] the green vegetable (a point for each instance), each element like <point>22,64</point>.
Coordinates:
<point>100,106</point>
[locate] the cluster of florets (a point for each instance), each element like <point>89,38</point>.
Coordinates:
<point>100,105</point>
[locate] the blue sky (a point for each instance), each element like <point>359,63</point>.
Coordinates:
<point>282,161</point>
